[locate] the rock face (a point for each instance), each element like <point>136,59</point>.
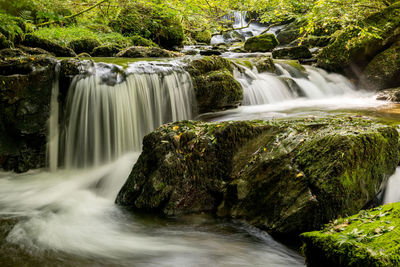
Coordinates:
<point>261,43</point>
<point>25,108</point>
<point>56,49</point>
<point>286,177</point>
<point>297,52</point>
<point>384,69</point>
<point>214,85</point>
<point>83,45</point>
<point>141,51</point>
<point>392,95</point>
<point>369,238</point>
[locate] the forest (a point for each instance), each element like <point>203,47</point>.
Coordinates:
<point>199,133</point>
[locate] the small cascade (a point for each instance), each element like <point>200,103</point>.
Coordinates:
<point>310,83</point>
<point>110,111</point>
<point>392,192</point>
<point>53,136</point>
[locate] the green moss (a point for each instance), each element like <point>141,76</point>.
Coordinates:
<point>369,238</point>
<point>84,45</point>
<point>140,41</point>
<point>297,52</point>
<point>288,36</point>
<point>106,51</point>
<point>203,36</point>
<point>261,43</point>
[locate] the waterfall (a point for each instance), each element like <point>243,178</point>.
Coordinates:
<point>109,112</point>
<point>268,88</point>
<point>53,136</point>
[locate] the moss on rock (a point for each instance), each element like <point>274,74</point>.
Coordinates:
<point>261,43</point>
<point>83,45</point>
<point>140,51</point>
<point>106,51</point>
<point>56,49</point>
<point>284,176</point>
<point>140,41</point>
<point>297,52</point>
<point>214,85</point>
<point>369,238</point>
<point>384,69</point>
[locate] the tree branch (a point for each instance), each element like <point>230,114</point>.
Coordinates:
<point>72,16</point>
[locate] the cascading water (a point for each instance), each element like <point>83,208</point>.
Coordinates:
<point>269,88</point>
<point>110,111</point>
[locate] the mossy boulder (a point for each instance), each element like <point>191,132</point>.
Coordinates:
<point>34,51</point>
<point>84,45</point>
<point>11,53</point>
<point>392,95</point>
<point>297,52</point>
<point>353,48</point>
<point>25,107</point>
<point>384,69</point>
<point>287,36</point>
<point>369,238</point>
<point>56,49</point>
<point>261,43</point>
<point>203,36</point>
<point>214,85</point>
<point>283,176</point>
<point>106,51</point>
<point>140,41</point>
<point>140,51</point>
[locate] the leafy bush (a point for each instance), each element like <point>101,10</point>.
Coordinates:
<point>12,28</point>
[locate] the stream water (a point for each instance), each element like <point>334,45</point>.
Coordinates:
<point>67,216</point>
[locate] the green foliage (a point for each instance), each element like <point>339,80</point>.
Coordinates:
<point>12,28</point>
<point>64,35</point>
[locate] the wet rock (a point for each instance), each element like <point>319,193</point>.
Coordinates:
<point>287,36</point>
<point>34,51</point>
<point>210,52</point>
<point>297,52</point>
<point>283,176</point>
<point>214,85</point>
<point>392,95</point>
<point>25,107</point>
<point>83,45</point>
<point>261,43</point>
<point>11,53</point>
<point>384,69</point>
<point>56,49</point>
<point>106,51</point>
<point>83,55</point>
<point>140,51</point>
<point>369,238</point>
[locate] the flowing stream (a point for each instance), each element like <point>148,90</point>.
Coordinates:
<point>67,216</point>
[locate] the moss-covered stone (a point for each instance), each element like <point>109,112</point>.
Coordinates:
<point>297,52</point>
<point>140,41</point>
<point>11,53</point>
<point>284,176</point>
<point>56,49</point>
<point>83,45</point>
<point>202,36</point>
<point>140,51</point>
<point>34,51</point>
<point>384,69</point>
<point>287,36</point>
<point>265,64</point>
<point>261,43</point>
<point>214,85</point>
<point>392,95</point>
<point>352,48</point>
<point>25,92</point>
<point>106,51</point>
<point>369,238</point>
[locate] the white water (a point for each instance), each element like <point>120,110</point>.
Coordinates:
<point>108,120</point>
<point>392,192</point>
<point>269,88</point>
<point>240,21</point>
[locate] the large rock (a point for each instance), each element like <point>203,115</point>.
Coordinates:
<point>56,49</point>
<point>106,51</point>
<point>141,51</point>
<point>261,43</point>
<point>297,52</point>
<point>83,45</point>
<point>384,69</point>
<point>25,107</point>
<point>369,238</point>
<point>214,85</point>
<point>286,177</point>
<point>287,36</point>
<point>353,48</point>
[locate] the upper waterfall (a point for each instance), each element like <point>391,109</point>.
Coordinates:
<point>109,111</point>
